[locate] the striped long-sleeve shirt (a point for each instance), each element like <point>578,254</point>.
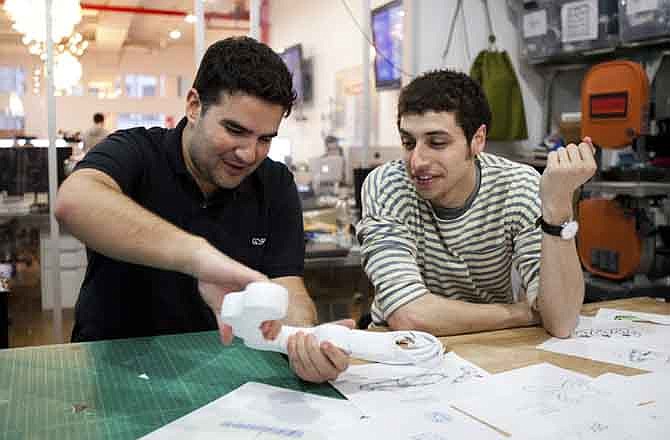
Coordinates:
<point>408,251</point>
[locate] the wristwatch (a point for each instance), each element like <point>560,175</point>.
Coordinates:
<point>566,231</point>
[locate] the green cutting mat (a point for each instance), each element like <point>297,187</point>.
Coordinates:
<point>95,390</point>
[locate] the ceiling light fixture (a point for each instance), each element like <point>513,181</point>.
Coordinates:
<point>29,16</point>
<point>175,34</point>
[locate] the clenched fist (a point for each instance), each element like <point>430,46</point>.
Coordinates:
<point>567,169</point>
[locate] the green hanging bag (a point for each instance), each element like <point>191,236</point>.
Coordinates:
<point>495,73</point>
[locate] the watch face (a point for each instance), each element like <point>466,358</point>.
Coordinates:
<point>569,230</point>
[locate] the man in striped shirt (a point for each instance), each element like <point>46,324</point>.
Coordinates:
<point>443,230</point>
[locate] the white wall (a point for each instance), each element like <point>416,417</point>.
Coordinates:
<point>331,38</point>
<point>431,20</point>
<point>329,35</point>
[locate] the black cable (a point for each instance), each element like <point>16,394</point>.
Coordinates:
<point>353,18</point>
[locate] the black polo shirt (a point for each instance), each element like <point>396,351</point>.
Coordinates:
<point>259,224</point>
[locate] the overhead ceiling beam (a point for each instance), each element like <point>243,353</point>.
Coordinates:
<point>243,15</point>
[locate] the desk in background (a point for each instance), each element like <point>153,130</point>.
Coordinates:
<point>339,286</point>
<point>333,275</point>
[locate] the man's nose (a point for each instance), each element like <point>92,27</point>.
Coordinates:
<point>246,152</point>
<point>419,157</point>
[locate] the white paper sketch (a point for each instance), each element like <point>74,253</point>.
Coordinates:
<point>644,398</point>
<point>614,353</point>
<point>261,411</point>
<point>624,331</point>
<point>548,399</point>
<point>627,316</point>
<point>591,430</point>
<point>429,424</point>
<point>540,399</point>
<point>378,389</point>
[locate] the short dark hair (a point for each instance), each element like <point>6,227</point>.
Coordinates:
<point>242,64</point>
<point>98,118</point>
<point>447,91</point>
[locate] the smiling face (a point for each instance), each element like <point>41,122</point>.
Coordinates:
<point>439,159</point>
<point>229,140</point>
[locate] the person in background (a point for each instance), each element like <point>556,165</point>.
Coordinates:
<point>175,219</point>
<point>442,230</point>
<point>332,147</point>
<point>95,134</point>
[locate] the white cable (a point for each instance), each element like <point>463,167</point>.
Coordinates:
<point>262,301</point>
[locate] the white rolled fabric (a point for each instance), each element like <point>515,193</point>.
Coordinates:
<point>262,301</point>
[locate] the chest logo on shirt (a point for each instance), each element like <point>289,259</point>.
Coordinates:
<point>258,241</point>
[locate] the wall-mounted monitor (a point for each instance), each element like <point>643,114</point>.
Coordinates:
<point>387,34</point>
<point>301,70</point>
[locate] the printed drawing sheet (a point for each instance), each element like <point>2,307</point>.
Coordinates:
<point>379,389</point>
<point>645,400</point>
<point>430,424</point>
<point>403,402</point>
<point>544,402</point>
<point>625,315</point>
<point>622,342</point>
<point>262,412</point>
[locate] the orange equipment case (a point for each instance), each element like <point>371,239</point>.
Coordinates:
<point>615,102</point>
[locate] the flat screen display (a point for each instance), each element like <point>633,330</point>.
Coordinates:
<point>387,33</point>
<point>292,56</point>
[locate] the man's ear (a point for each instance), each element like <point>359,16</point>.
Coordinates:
<point>193,106</point>
<point>478,141</point>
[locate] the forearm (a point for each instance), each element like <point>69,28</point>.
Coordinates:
<point>561,286</point>
<point>442,317</point>
<point>92,207</point>
<point>301,309</point>
<point>561,279</point>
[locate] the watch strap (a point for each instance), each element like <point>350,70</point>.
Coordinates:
<point>548,228</point>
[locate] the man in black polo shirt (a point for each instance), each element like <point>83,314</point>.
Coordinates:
<point>166,214</point>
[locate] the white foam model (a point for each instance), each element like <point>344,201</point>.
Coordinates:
<point>262,301</point>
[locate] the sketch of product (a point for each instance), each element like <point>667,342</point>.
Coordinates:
<point>591,431</point>
<point>466,374</point>
<point>418,380</point>
<point>428,436</point>
<point>623,332</point>
<point>438,417</point>
<point>638,356</point>
<point>261,429</point>
<point>551,399</point>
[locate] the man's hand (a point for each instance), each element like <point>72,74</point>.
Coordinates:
<point>317,363</point>
<point>218,275</point>
<point>567,169</point>
<point>524,313</point>
<point>213,295</point>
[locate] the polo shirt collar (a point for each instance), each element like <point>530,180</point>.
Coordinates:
<point>251,184</point>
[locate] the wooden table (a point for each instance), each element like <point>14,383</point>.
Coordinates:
<point>504,350</point>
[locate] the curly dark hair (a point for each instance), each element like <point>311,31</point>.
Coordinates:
<point>447,91</point>
<point>242,64</point>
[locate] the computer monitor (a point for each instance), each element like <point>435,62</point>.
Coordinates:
<point>9,158</point>
<point>301,71</point>
<point>387,34</point>
<point>27,169</point>
<point>326,172</point>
